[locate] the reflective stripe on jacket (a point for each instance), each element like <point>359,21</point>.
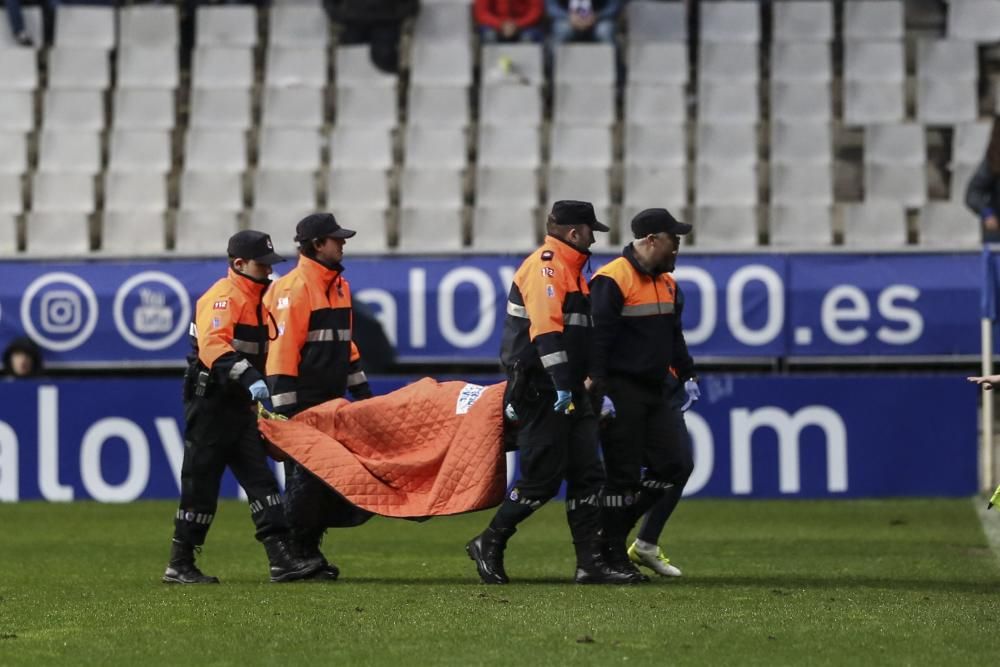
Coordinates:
<point>313,358</point>
<point>548,315</point>
<point>637,322</point>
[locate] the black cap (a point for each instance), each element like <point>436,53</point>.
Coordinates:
<point>656,220</point>
<point>320,226</point>
<point>251,244</point>
<point>572,212</point>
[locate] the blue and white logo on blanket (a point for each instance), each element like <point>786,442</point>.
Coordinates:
<point>470,394</point>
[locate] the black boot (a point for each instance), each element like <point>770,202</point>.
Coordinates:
<point>591,568</point>
<point>181,568</point>
<point>285,566</point>
<point>616,556</point>
<point>307,548</point>
<point>487,550</point>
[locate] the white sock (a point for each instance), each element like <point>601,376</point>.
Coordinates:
<point>644,546</point>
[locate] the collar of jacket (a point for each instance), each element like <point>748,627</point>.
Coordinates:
<point>318,273</point>
<point>628,252</point>
<point>253,289</point>
<point>566,253</point>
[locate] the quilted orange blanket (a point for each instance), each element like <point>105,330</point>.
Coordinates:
<point>428,449</point>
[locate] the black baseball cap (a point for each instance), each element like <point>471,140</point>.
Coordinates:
<point>251,244</point>
<point>572,212</point>
<point>655,221</point>
<point>320,226</point>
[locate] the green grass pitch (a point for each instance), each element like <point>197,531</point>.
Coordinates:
<point>768,583</point>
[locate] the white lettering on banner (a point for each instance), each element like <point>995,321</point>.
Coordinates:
<point>138,460</point>
<point>891,311</point>
<point>387,314</point>
<point>775,304</point>
<point>173,445</point>
<point>832,314</point>
<point>418,308</point>
<point>703,446</point>
<point>703,280</point>
<point>8,464</point>
<point>486,320</point>
<point>788,428</point>
<point>48,447</point>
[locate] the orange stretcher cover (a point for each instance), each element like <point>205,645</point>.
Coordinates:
<point>428,449</point>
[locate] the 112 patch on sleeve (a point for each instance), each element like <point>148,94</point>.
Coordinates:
<point>222,304</point>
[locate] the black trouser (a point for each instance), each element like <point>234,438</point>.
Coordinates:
<point>218,433</point>
<point>556,447</point>
<point>646,452</point>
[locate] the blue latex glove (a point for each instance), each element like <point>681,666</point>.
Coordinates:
<point>607,408</point>
<point>259,391</point>
<point>563,401</point>
<point>693,392</point>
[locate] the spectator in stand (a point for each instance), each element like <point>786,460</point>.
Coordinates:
<point>509,20</point>
<point>22,358</point>
<point>983,192</point>
<point>15,16</point>
<point>583,20</point>
<point>374,22</point>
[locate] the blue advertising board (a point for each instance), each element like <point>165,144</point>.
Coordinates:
<point>814,436</point>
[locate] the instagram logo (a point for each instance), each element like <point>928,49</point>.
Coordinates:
<point>61,312</point>
<point>64,314</point>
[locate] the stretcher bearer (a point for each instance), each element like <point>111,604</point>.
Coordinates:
<point>225,375</point>
<point>544,350</point>
<point>639,359</point>
<point>313,360</point>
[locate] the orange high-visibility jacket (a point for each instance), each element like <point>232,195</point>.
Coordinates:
<point>313,358</point>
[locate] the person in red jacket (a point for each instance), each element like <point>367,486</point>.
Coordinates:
<point>510,20</point>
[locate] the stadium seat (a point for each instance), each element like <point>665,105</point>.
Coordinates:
<point>801,62</point>
<point>11,194</point>
<point>801,143</point>
<point>8,234</point>
<point>357,188</point>
<point>369,148</point>
<point>304,25</point>
<point>76,68</point>
<point>512,147</point>
<point>370,223</point>
<point>148,67</point>
<point>721,184</point>
<point>73,110</point>
<point>293,107</point>
<point>647,145</point>
<point>135,191</point>
<point>435,148</point>
<point>581,183</point>
<point>210,191</point>
<point>873,102</point>
<point>13,153</point>
<point>512,64</point>
<point>656,21</point>
<point>57,233</point>
<point>903,183</point>
<point>802,21</point>
<point>441,63</point>
<point>17,111</point>
<point>580,147</point>
<point>725,227</point>
<point>969,143</point>
<point>873,20</point>
<point>438,106</point>
<point>366,107</point>
<point>874,61</point>
<point>303,66</point>
<point>730,21</point>
<point>230,25</point>
<point>85,27</point>
<point>947,224</point>
<point>947,101</point>
<point>801,102</point>
<point>355,68</point>
<point>510,106</point>
<point>214,149</point>
<point>204,232</point>
<point>289,148</point>
<point>727,143</point>
<point>974,21</point>
<point>961,174</point>
<point>279,223</point>
<point>221,67</point>
<point>431,188</point>
<point>430,230</point>
<point>728,62</point>
<point>874,225</point>
<point>655,186</point>
<point>655,104</point>
<point>20,69</point>
<point>657,63</point>
<point>592,106</point>
<point>901,143</point>
<point>148,27</point>
<point>585,64</point>
<point>62,192</point>
<point>32,26</point>
<point>437,23</point>
<point>808,184</point>
<point>143,109</point>
<point>504,229</point>
<point>501,186</point>
<point>140,150</point>
<point>133,233</point>
<point>69,151</point>
<point>278,189</point>
<point>728,102</point>
<point>802,226</point>
<point>224,108</point>
<point>947,59</point>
